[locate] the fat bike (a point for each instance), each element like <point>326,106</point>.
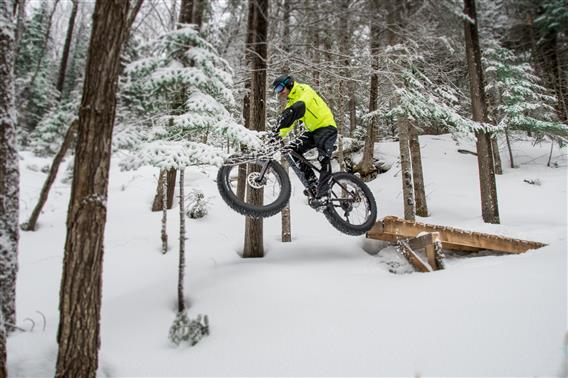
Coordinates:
<point>255,184</point>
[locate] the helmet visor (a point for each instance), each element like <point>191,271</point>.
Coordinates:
<point>279,88</point>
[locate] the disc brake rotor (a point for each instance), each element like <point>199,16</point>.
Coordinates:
<point>253,180</point>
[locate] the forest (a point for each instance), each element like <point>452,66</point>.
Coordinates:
<point>166,89</point>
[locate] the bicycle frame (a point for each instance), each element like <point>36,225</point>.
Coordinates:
<point>293,159</point>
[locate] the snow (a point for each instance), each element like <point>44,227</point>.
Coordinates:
<point>320,305</point>
<point>178,155</point>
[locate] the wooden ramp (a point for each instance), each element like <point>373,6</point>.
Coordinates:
<point>414,235</point>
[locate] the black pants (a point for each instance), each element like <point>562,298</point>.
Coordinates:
<point>324,140</point>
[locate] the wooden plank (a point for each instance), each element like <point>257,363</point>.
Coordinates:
<point>422,241</point>
<point>413,258</point>
<point>430,250</point>
<point>396,237</point>
<point>431,254</point>
<point>452,238</point>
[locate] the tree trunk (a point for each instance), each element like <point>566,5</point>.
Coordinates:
<point>327,82</point>
<point>198,12</point>
<point>352,110</point>
<point>496,156</point>
<point>75,66</point>
<point>509,148</point>
<point>9,174</point>
<point>417,173</point>
<point>173,14</point>
<point>285,213</point>
<point>159,197</point>
<point>81,285</point>
<point>340,129</point>
<point>30,225</point>
<point>186,12</point>
<point>43,48</point>
<point>241,179</point>
<point>550,154</point>
<point>253,246</point>
<point>171,187</point>
<point>406,170</point>
<point>315,51</point>
<point>367,166</point>
<point>66,48</point>
<point>344,87</point>
<point>286,36</point>
<point>9,180</point>
<point>182,239</point>
<point>20,23</point>
<point>286,226</point>
<point>489,206</point>
<point>163,180</point>
<point>555,75</point>
<point>3,354</point>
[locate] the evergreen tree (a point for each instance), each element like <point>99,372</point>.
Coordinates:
<point>32,41</point>
<point>34,68</point>
<point>419,98</point>
<point>552,25</point>
<point>520,101</point>
<point>180,95</point>
<point>48,135</point>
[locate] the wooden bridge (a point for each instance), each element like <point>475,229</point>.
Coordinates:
<point>411,236</point>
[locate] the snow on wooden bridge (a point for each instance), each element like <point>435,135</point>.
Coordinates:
<point>411,236</point>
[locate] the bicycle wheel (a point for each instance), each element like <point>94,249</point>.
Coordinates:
<point>248,195</point>
<point>352,208</point>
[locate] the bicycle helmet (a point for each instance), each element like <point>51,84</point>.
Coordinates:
<point>281,82</point>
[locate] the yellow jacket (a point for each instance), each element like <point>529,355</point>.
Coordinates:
<point>317,112</point>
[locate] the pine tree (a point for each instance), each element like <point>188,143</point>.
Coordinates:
<point>182,93</point>
<point>47,137</point>
<point>551,21</point>
<point>36,93</point>
<point>520,101</point>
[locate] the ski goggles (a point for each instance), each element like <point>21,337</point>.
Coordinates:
<point>279,88</point>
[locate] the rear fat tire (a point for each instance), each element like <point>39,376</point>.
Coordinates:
<point>338,222</point>
<point>255,211</point>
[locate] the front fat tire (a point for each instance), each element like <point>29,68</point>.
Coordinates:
<point>345,227</point>
<point>255,211</point>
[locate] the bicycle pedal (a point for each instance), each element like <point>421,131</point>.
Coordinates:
<point>319,204</point>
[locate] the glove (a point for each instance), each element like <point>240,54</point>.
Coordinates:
<point>286,119</point>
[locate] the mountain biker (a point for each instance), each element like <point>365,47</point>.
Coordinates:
<point>305,105</point>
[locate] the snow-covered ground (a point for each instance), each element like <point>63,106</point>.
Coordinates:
<point>325,304</point>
